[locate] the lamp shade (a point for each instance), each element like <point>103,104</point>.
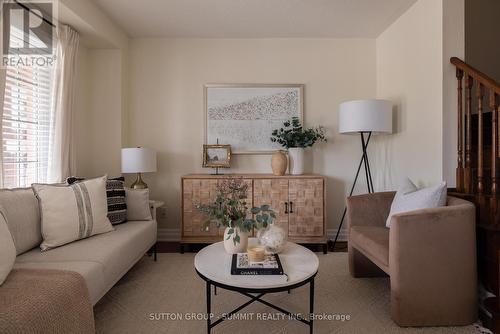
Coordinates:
<point>138,160</point>
<point>365,116</point>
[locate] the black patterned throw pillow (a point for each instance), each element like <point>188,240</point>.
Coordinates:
<point>115,192</point>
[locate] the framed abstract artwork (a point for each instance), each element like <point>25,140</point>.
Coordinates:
<point>244,115</point>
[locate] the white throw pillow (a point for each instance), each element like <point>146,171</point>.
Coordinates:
<point>7,249</point>
<point>137,204</point>
<point>72,212</point>
<point>410,198</point>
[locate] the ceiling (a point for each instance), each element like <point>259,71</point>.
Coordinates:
<point>254,18</point>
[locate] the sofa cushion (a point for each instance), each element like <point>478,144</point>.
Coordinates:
<point>138,204</point>
<point>72,212</point>
<point>7,249</point>
<point>115,193</point>
<point>21,210</point>
<point>373,242</point>
<point>102,259</point>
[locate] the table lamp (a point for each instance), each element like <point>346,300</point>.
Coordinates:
<point>364,117</point>
<point>138,160</point>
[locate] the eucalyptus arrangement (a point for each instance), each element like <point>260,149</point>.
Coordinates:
<point>295,139</point>
<point>230,210</point>
<point>293,135</point>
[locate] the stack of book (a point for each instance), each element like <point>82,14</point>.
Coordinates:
<point>242,266</point>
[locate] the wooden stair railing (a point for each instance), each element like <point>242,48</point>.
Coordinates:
<point>484,85</point>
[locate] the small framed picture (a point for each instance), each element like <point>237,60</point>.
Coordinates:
<point>216,156</point>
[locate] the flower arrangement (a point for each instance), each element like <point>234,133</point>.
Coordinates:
<point>292,134</point>
<point>230,210</point>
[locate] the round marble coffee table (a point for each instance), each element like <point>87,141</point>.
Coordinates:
<point>300,266</point>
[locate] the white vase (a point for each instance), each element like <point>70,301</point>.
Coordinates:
<point>296,160</point>
<point>239,247</point>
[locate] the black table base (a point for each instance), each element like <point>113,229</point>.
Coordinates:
<point>256,295</point>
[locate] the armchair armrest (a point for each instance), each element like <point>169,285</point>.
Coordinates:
<point>439,235</point>
<point>153,206</point>
<point>369,209</point>
<point>432,261</point>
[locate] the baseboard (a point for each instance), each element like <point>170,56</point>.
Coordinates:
<point>174,234</point>
<point>169,234</point>
<point>331,232</point>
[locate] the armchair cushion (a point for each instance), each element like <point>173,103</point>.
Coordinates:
<point>373,241</point>
<point>410,198</point>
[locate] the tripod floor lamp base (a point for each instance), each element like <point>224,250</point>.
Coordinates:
<point>365,139</point>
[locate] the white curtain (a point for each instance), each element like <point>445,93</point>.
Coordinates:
<point>3,74</point>
<point>61,160</point>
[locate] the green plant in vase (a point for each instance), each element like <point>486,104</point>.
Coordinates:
<point>295,139</point>
<point>230,210</point>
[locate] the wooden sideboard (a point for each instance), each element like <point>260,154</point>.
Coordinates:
<point>298,200</point>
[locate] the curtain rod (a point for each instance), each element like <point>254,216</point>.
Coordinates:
<point>34,13</point>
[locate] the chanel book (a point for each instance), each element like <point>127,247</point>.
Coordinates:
<point>240,265</point>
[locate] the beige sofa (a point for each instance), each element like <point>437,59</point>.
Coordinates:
<point>102,259</point>
<point>430,256</point>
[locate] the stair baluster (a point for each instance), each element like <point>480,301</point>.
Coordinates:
<point>460,164</point>
<point>480,139</point>
<point>494,142</point>
<point>468,135</point>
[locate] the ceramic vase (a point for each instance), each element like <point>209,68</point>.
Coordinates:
<point>273,238</point>
<point>239,247</point>
<point>279,163</point>
<point>296,160</point>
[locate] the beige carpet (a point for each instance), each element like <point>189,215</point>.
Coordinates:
<point>172,286</point>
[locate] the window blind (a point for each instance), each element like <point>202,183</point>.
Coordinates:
<point>26,122</point>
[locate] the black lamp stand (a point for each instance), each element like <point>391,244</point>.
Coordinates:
<point>368,174</point>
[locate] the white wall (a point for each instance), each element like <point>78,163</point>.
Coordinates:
<point>453,46</point>
<point>166,102</point>
<point>95,28</point>
<point>81,107</point>
<point>409,73</point>
<point>414,71</point>
<point>98,119</point>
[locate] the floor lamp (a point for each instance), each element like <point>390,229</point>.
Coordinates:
<point>366,118</point>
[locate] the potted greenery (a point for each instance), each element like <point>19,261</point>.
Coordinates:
<point>295,139</point>
<point>230,210</point>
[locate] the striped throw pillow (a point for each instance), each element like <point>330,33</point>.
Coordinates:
<point>115,193</point>
<point>72,212</point>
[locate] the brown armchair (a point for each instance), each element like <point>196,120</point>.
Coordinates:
<point>430,256</point>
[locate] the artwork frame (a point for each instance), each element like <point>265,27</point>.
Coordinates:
<point>209,163</point>
<point>267,147</point>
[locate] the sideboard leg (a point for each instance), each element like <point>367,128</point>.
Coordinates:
<point>325,248</point>
<point>181,247</point>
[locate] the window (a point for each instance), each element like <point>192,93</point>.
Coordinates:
<point>26,122</point>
